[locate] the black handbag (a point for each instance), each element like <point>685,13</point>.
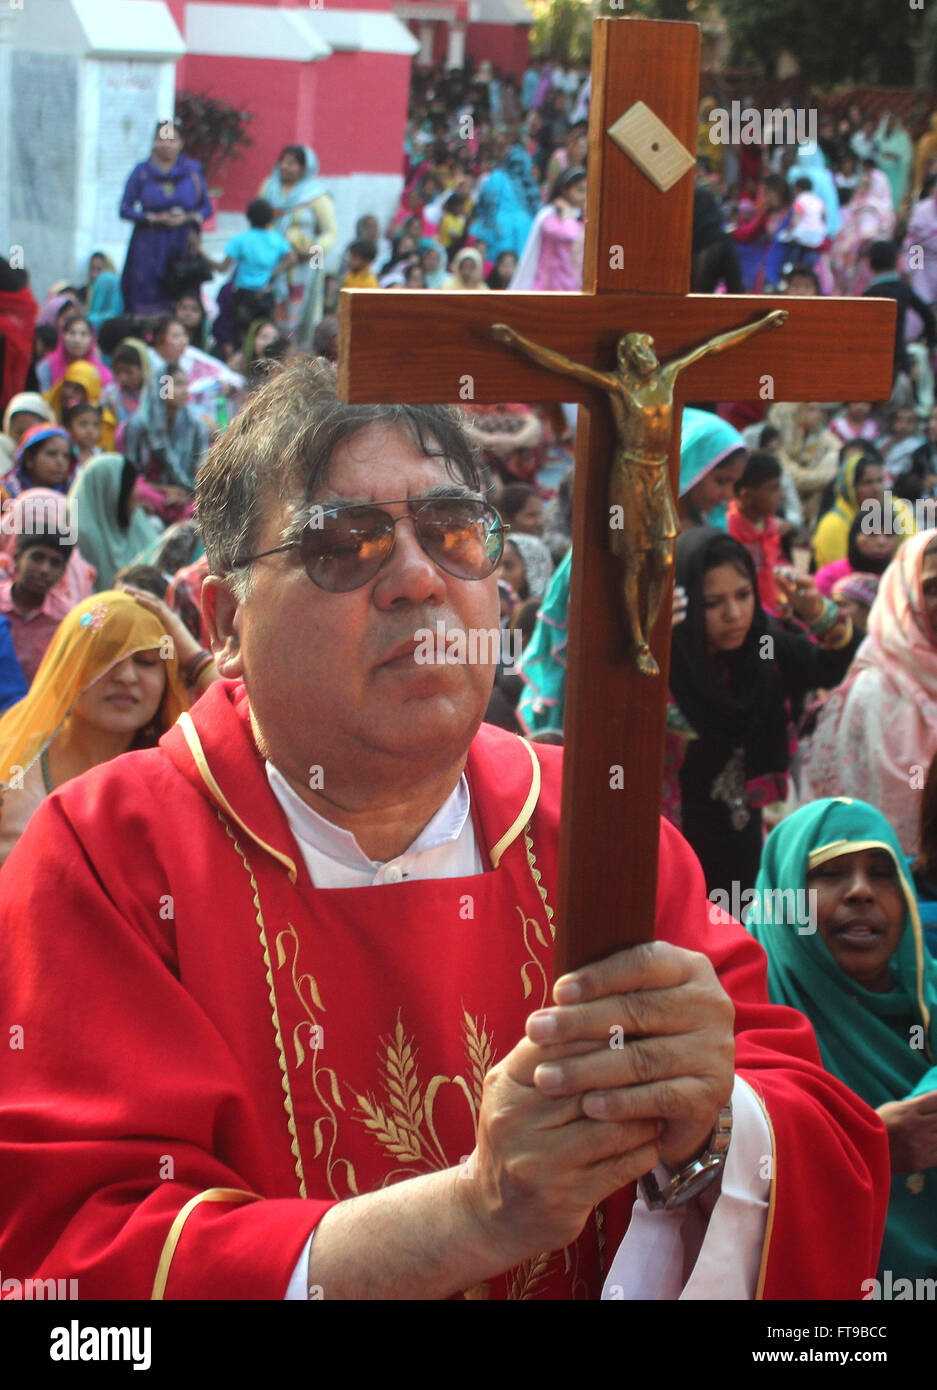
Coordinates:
<point>188,272</point>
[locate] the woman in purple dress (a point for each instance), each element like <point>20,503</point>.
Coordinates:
<point>167,200</point>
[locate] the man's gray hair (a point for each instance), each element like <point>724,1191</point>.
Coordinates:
<point>279,447</point>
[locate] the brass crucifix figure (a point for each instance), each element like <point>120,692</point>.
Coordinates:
<point>643,524</point>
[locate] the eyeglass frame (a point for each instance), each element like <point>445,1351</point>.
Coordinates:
<point>501,526</point>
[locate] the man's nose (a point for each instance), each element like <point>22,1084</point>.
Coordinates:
<point>409,574</point>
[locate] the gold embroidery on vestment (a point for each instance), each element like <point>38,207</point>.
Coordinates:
<point>330,1119</point>
<point>272,995</point>
<point>211,1194</point>
<point>402,1121</point>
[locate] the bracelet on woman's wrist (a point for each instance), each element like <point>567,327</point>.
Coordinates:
<point>196,665</point>
<point>827,618</point>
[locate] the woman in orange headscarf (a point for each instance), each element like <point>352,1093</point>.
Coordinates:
<point>81,384</point>
<point>109,682</point>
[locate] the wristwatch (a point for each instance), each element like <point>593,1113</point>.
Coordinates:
<point>695,1176</point>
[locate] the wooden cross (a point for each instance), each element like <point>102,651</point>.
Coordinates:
<point>424,346</point>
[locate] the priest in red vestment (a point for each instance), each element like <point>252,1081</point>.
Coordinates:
<point>278,992</point>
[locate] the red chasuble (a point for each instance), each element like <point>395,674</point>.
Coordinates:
<point>213,1051</point>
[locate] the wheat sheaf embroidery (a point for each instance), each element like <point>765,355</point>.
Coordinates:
<point>400,1117</point>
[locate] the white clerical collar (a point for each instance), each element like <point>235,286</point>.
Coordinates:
<point>330,840</point>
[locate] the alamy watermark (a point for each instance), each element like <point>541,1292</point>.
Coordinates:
<point>899,1290</point>
<point>78,1343</point>
<point>475,646</point>
<point>38,1290</point>
<point>37,516</point>
<point>779,907</point>
<point>775,126</point>
<point>884,519</point>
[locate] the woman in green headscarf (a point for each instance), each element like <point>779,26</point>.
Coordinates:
<point>838,919</point>
<point>543,665</point>
<point>712,457</point>
<point>861,481</point>
<point>112,528</point>
<point>895,156</point>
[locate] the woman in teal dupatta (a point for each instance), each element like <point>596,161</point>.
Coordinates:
<point>305,214</point>
<point>882,1044</point>
<point>112,528</point>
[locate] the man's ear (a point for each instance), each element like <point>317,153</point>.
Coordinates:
<point>221,611</point>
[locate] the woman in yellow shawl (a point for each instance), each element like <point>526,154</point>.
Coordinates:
<point>65,393</point>
<point>109,682</point>
<point>861,486</point>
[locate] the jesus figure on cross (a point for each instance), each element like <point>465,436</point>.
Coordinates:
<point>643,523</point>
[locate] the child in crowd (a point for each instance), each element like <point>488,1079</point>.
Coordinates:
<point>190,311</point>
<point>856,421</point>
<point>40,560</point>
<point>81,385</point>
<point>854,595</point>
<point>76,343</point>
<point>131,367</point>
<point>452,223</point>
<point>367,228</point>
<point>44,343</point>
<point>23,411</point>
<point>45,458</point>
<point>903,440</point>
<point>807,232</point>
<point>83,423</point>
<point>259,254</point>
<point>802,280</point>
<point>166,442</point>
<point>358,257</point>
<point>790,512</point>
<point>753,521</point>
<point>330,288</point>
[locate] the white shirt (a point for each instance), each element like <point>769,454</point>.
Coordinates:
<point>649,1262</point>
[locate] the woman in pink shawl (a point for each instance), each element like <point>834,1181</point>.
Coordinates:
<point>868,216</point>
<point>50,311</point>
<point>76,342</point>
<point>877,732</point>
<point>34,508</point>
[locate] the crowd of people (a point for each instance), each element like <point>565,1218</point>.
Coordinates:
<point>801,746</point>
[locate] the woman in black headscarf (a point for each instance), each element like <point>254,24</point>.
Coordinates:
<point>735,674</point>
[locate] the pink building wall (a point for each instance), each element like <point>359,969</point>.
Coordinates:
<point>273,91</point>
<point>351,107</point>
<point>506,46</point>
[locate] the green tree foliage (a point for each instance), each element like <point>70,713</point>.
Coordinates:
<point>213,130</point>
<point>864,41</point>
<point>562,30</point>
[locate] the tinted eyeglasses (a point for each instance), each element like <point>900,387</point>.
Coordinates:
<point>342,547</point>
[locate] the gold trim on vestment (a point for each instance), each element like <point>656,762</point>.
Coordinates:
<point>211,1194</point>
<point>772,1193</point>
<point>526,811</point>
<point>190,734</point>
<point>272,995</point>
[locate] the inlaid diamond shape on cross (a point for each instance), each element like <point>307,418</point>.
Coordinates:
<point>652,145</point>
